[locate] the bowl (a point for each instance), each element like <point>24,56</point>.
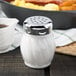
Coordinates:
<point>61,19</point>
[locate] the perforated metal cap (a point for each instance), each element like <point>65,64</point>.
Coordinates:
<point>37,25</point>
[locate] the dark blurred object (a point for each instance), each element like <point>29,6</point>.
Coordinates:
<point>61,19</point>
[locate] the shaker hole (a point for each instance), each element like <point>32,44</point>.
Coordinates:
<point>25,22</point>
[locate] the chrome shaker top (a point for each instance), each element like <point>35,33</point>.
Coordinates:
<point>37,25</point>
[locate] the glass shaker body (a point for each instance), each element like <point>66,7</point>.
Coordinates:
<point>38,50</point>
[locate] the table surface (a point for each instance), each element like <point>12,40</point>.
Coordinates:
<point>11,64</point>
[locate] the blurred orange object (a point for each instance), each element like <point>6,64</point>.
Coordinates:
<point>68,5</point>
<point>74,6</point>
<point>65,8</point>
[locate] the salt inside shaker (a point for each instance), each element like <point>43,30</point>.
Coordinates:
<point>37,44</point>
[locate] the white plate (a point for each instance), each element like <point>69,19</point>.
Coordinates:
<point>16,43</point>
<point>18,35</point>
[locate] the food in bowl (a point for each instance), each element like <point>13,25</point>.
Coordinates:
<point>55,5</point>
<point>23,3</point>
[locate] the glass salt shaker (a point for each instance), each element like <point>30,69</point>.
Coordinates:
<point>37,44</point>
